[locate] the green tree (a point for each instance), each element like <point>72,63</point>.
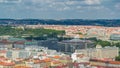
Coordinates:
<point>117,58</point>
<point>103,43</point>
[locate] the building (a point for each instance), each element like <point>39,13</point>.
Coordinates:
<point>19,45</point>
<point>6,63</point>
<point>3,52</point>
<point>98,33</point>
<point>51,43</point>
<point>5,37</point>
<point>80,58</point>
<point>6,44</point>
<point>76,43</point>
<point>115,37</point>
<point>99,52</point>
<point>13,54</point>
<point>36,48</point>
<point>31,43</point>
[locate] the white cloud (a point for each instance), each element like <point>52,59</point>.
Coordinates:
<point>101,8</point>
<point>78,7</point>
<point>64,8</point>
<point>71,2</point>
<point>58,5</point>
<point>42,1</point>
<point>117,6</point>
<point>1,1</point>
<point>10,1</point>
<point>92,2</point>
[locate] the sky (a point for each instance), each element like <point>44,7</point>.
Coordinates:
<point>60,9</point>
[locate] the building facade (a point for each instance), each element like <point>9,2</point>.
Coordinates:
<point>99,52</point>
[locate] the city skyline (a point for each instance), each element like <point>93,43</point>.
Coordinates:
<point>60,9</point>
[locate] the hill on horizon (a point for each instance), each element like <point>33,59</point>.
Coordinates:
<point>97,22</point>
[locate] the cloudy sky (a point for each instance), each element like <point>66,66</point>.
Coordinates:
<point>60,9</point>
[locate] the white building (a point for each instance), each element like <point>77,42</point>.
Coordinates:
<point>99,52</point>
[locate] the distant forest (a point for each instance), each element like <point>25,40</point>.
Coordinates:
<point>98,22</point>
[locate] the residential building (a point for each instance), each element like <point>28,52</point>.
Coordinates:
<point>115,37</point>
<point>13,54</point>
